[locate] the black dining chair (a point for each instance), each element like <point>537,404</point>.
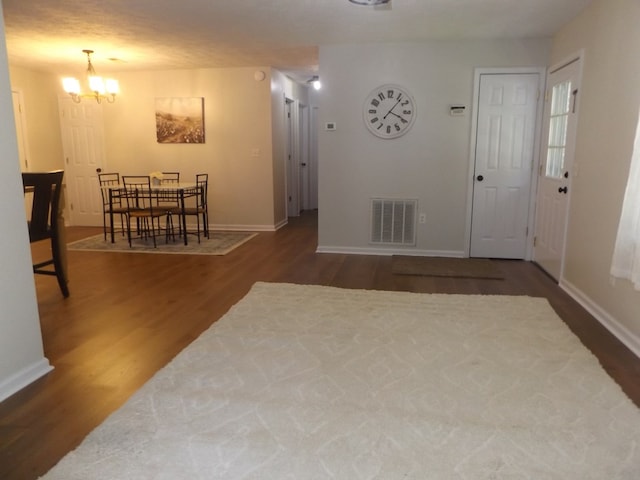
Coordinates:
<point>169,200</point>
<point>142,206</point>
<point>200,209</point>
<point>114,205</point>
<point>45,190</point>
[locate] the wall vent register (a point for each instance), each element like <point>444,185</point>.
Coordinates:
<point>393,221</point>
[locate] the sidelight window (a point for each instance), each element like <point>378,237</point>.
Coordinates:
<point>559,119</point>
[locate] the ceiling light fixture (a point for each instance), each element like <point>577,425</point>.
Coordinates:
<point>315,81</point>
<point>370,2</point>
<point>101,89</point>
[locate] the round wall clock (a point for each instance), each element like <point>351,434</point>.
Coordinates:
<point>389,111</point>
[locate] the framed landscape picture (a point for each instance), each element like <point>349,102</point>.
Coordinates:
<point>180,120</point>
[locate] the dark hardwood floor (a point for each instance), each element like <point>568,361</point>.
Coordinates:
<point>130,314</point>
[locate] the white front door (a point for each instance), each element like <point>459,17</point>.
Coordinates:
<point>504,154</point>
<point>560,124</point>
<point>83,145</point>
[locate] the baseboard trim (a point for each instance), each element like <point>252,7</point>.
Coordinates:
<point>282,223</point>
<point>618,330</point>
<point>26,376</point>
<point>389,251</point>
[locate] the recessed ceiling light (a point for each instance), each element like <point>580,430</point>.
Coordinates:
<point>369,2</point>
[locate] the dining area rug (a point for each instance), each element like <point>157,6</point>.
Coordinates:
<point>313,382</point>
<point>218,243</point>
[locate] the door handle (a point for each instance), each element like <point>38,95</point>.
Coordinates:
<point>563,190</point>
<point>479,178</point>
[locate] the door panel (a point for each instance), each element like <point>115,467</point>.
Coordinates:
<point>507,113</point>
<point>83,143</point>
<point>560,124</point>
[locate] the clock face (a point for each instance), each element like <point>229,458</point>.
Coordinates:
<point>389,111</point>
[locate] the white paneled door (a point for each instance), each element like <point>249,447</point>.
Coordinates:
<point>504,154</point>
<point>560,124</point>
<point>83,145</point>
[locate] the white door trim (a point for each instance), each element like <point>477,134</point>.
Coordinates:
<point>21,129</point>
<point>478,72</point>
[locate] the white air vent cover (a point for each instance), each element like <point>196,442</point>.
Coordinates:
<point>393,221</point>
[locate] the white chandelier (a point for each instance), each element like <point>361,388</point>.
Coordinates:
<point>101,89</point>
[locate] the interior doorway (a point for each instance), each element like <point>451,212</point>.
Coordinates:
<point>305,160</point>
<point>292,168</point>
<point>301,175</point>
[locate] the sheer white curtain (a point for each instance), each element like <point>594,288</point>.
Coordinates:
<point>626,255</point>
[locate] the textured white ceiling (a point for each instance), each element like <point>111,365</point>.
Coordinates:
<point>167,34</point>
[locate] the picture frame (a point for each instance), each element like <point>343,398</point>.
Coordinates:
<point>180,120</point>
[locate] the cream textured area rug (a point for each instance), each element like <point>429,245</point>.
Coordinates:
<point>219,243</point>
<point>307,382</point>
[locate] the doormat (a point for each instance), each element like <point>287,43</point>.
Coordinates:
<point>446,267</point>
<point>219,243</point>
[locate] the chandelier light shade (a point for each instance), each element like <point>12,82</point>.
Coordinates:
<point>101,89</point>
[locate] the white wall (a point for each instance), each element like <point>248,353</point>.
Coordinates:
<point>237,152</point>
<point>244,145</point>
<point>241,154</point>
<point>245,134</point>
<point>21,355</point>
<point>610,99</point>
<point>430,163</point>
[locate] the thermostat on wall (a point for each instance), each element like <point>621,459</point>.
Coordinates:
<point>330,126</point>
<point>457,110</point>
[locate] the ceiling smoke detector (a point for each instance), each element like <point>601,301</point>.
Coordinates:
<point>370,2</point>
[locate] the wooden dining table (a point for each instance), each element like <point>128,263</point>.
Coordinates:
<point>182,190</point>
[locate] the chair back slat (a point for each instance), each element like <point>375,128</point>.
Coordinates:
<point>137,191</point>
<point>46,191</point>
<point>46,188</point>
<point>109,180</point>
<point>168,199</point>
<point>170,177</point>
<point>202,180</point>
